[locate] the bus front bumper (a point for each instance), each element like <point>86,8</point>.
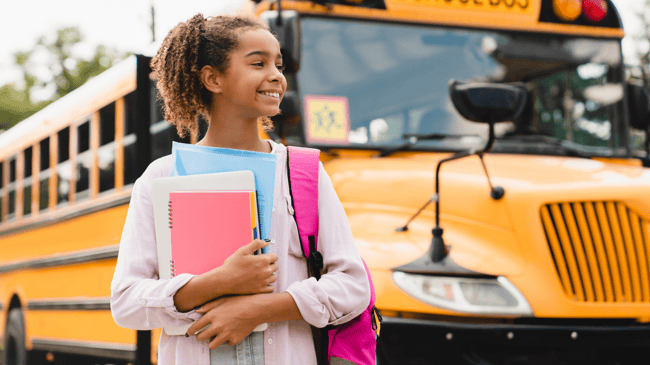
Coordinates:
<point>419,341</point>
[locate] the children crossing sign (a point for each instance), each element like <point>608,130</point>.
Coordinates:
<point>328,118</point>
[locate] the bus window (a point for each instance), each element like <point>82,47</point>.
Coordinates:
<point>44,174</point>
<point>11,188</point>
<point>84,159</point>
<point>130,139</point>
<point>366,84</point>
<point>637,139</point>
<point>63,166</point>
<point>106,153</point>
<point>162,135</point>
<point>27,182</point>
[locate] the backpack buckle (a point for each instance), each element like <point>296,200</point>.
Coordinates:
<point>316,260</point>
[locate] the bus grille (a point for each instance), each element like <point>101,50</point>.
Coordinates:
<point>601,251</point>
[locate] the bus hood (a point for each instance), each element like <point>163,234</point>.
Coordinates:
<point>485,235</point>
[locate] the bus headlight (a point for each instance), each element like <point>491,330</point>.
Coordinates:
<point>492,296</point>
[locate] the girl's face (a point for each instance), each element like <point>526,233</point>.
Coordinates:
<point>254,82</point>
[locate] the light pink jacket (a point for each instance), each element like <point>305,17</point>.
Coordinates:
<point>142,301</point>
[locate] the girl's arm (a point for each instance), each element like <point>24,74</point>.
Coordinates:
<point>242,273</point>
<point>233,318</point>
<point>343,291</point>
<point>340,295</point>
<point>140,300</point>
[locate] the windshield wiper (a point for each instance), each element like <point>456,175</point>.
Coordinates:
<point>412,139</point>
<point>565,148</point>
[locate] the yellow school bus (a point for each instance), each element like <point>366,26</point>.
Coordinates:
<point>552,268</point>
<point>67,174</point>
<point>541,252</point>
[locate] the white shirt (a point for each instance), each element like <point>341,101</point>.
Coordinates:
<point>142,301</point>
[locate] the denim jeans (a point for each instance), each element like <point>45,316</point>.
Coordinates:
<point>248,352</point>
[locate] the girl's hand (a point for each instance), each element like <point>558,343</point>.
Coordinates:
<point>247,273</point>
<point>230,319</point>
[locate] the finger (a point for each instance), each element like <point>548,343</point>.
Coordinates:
<point>196,326</point>
<point>272,278</point>
<point>255,245</point>
<point>218,341</point>
<point>267,290</point>
<point>273,267</point>
<point>271,257</point>
<point>205,308</point>
<point>208,333</point>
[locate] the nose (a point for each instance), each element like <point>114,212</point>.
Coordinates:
<point>276,75</point>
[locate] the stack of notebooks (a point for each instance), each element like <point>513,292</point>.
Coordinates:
<point>201,220</point>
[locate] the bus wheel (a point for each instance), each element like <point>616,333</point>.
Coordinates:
<point>14,347</point>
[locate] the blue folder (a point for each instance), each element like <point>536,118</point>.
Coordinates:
<point>188,159</point>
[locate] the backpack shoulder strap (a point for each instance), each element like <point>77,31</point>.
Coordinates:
<point>302,167</point>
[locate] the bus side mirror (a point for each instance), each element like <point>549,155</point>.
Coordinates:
<point>488,102</point>
<point>287,30</point>
<point>290,104</point>
<point>290,112</point>
<point>639,106</point>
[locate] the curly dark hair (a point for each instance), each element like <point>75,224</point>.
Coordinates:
<point>177,66</point>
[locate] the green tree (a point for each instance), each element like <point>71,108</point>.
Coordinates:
<point>66,72</point>
<point>640,140</point>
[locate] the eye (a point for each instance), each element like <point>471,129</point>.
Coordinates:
<point>280,67</point>
<point>259,64</point>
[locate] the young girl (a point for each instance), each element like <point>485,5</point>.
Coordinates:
<point>229,70</point>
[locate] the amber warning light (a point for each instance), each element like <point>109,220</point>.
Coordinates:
<point>570,10</point>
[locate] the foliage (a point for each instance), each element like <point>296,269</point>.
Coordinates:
<point>640,140</point>
<point>52,69</point>
<point>642,38</point>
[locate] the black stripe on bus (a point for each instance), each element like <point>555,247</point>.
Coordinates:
<point>74,304</point>
<point>66,217</point>
<point>104,253</point>
<point>98,349</point>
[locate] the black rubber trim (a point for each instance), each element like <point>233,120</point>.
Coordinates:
<point>108,350</point>
<point>79,257</point>
<point>445,267</point>
<point>74,304</point>
<point>541,335</point>
<point>78,213</point>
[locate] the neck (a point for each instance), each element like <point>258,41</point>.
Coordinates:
<point>229,130</point>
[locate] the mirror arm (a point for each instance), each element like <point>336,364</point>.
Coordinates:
<point>279,21</point>
<point>438,249</point>
<point>496,192</point>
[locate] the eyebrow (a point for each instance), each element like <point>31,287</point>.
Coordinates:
<point>262,53</point>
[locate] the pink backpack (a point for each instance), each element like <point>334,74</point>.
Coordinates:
<point>354,342</point>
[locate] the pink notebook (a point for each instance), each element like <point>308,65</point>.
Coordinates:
<point>209,226</point>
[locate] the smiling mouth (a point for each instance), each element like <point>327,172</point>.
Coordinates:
<point>270,94</point>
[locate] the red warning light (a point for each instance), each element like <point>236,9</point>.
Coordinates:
<point>594,10</point>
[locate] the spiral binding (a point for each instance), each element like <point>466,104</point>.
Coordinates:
<point>171,225</point>
<point>171,220</point>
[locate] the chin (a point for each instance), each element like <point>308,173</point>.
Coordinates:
<point>274,113</point>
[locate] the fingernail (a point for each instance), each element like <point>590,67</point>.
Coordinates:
<point>268,240</point>
<point>186,335</point>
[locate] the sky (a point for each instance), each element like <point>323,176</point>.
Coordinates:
<point>126,24</point>
<point>122,24</point>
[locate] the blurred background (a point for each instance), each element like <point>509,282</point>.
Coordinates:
<point>49,48</point>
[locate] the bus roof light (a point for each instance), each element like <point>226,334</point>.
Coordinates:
<point>594,10</point>
<point>567,10</point>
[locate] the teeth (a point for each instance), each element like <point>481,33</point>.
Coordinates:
<point>273,95</point>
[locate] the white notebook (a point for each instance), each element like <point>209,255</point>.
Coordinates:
<point>236,180</point>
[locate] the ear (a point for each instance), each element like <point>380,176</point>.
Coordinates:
<point>211,79</point>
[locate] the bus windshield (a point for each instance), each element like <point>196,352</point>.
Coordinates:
<point>372,85</point>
